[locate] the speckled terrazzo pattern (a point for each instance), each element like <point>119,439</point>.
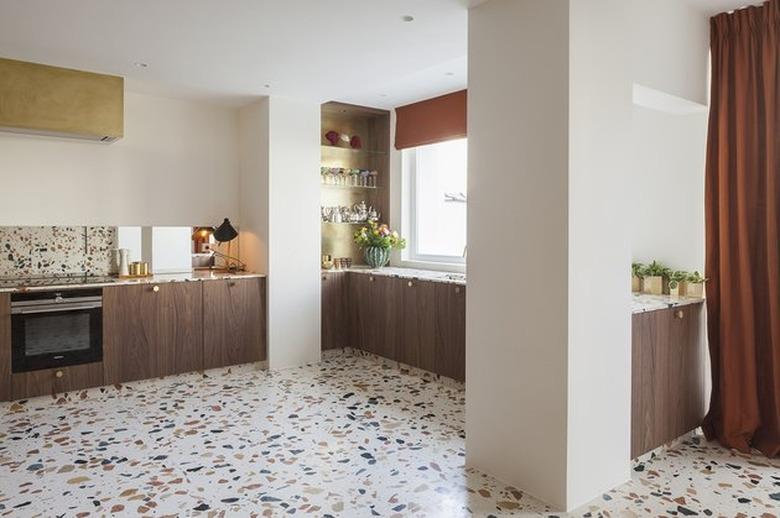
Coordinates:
<point>348,437</point>
<point>49,251</point>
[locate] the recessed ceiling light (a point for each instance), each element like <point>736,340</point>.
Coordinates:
<point>449,73</point>
<point>382,95</point>
<point>141,64</point>
<point>267,85</point>
<point>407,18</point>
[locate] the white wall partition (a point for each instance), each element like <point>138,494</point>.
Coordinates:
<point>517,309</point>
<point>548,313</point>
<point>280,221</point>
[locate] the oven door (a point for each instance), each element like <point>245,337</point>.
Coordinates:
<point>49,334</point>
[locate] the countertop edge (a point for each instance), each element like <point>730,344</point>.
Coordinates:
<point>162,278</point>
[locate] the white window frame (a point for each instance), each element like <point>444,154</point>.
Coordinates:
<point>409,256</point>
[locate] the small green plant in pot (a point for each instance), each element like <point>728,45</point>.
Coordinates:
<point>636,277</point>
<point>653,278</point>
<point>377,241</point>
<point>695,285</point>
<point>677,283</point>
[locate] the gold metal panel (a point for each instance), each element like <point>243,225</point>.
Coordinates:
<point>42,99</point>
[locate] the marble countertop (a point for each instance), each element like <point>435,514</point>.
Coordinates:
<point>408,273</point>
<point>23,285</point>
<point>642,303</point>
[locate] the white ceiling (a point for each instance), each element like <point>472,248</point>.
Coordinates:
<point>357,51</point>
<point>712,7</point>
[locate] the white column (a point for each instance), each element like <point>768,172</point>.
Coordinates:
<point>280,221</point>
<point>548,313</point>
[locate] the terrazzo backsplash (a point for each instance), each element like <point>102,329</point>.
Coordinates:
<point>49,251</point>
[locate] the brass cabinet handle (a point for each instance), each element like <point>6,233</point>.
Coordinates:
<point>59,374</point>
<point>324,278</point>
<point>410,284</point>
<point>457,289</point>
<point>155,289</point>
<point>232,283</point>
<point>370,279</point>
<point>680,314</point>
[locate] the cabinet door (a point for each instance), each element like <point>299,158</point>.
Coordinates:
<point>450,310</point>
<point>417,346</point>
<point>131,335</point>
<point>384,317</point>
<point>5,346</point>
<point>686,371</point>
<point>335,318</point>
<point>359,290</point>
<point>650,359</point>
<point>180,327</point>
<point>151,330</point>
<point>233,322</point>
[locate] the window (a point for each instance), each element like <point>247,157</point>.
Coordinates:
<point>435,202</point>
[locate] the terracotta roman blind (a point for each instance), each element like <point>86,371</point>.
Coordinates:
<point>431,121</point>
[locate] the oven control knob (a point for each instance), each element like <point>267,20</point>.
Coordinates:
<point>58,374</point>
<point>58,297</point>
<point>156,289</point>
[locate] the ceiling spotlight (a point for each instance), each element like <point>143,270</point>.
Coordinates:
<point>141,64</point>
<point>267,85</point>
<point>407,18</point>
<point>449,73</point>
<point>382,95</point>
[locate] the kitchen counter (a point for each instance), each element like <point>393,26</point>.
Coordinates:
<point>642,303</point>
<point>407,273</point>
<point>10,285</point>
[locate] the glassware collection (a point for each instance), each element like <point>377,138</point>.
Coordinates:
<point>358,213</point>
<point>348,177</point>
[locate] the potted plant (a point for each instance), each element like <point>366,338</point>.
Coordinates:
<point>677,283</point>
<point>695,285</point>
<point>377,241</point>
<point>653,278</point>
<point>636,277</point>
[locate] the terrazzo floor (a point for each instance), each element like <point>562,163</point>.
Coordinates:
<point>347,437</point>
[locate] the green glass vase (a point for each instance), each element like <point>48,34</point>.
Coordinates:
<point>376,257</point>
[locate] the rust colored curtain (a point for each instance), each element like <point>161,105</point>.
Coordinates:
<point>743,230</point>
<point>431,121</point>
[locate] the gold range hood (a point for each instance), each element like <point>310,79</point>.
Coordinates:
<point>44,100</point>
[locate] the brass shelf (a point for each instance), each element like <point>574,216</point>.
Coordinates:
<point>352,150</point>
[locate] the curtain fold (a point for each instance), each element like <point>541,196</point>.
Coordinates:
<point>743,229</point>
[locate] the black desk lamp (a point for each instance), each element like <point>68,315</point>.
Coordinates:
<point>225,233</point>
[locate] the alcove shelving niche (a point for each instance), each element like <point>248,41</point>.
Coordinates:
<point>347,187</point>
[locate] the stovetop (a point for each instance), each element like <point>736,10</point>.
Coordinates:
<point>63,280</point>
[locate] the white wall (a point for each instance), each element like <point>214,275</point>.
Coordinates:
<point>667,188</point>
<point>516,309</point>
<point>176,165</point>
<point>599,342</point>
<point>548,312</point>
<point>253,184</point>
<point>670,44</point>
<point>280,155</point>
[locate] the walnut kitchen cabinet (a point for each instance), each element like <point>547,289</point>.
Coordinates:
<point>5,346</point>
<point>668,372</point>
<point>373,322</point>
<point>450,331</point>
<point>335,310</point>
<point>152,330</point>
<point>53,381</point>
<point>234,322</point>
<point>417,312</point>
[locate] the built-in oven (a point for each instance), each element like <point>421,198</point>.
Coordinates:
<point>52,329</point>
